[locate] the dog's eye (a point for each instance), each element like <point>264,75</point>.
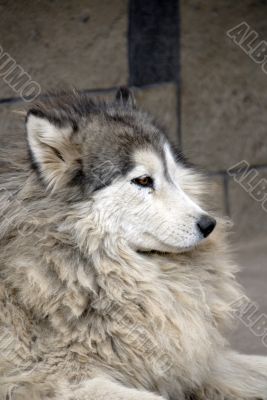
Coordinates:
<point>144,181</point>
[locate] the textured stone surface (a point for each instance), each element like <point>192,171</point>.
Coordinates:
<point>161,102</point>
<point>253,276</point>
<point>81,43</point>
<point>224,98</point>
<point>249,217</point>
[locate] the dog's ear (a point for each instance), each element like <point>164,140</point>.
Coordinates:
<point>125,97</point>
<point>53,153</point>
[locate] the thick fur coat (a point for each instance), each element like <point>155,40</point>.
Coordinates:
<point>86,311</point>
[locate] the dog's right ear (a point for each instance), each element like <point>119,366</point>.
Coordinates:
<point>53,153</point>
<point>124,96</point>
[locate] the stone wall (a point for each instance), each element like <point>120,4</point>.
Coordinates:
<point>224,102</point>
<point>207,91</point>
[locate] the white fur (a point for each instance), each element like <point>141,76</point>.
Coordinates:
<point>163,219</point>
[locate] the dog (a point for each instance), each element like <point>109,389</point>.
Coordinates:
<point>116,279</point>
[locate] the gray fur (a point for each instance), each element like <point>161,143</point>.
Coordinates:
<point>107,133</point>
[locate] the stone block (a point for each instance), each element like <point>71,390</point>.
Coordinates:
<point>248,212</point>
<point>65,44</point>
<point>223,102</point>
<point>161,101</point>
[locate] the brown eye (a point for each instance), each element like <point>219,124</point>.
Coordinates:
<point>144,181</point>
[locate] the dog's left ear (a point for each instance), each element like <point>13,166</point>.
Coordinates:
<point>125,97</point>
<point>53,151</point>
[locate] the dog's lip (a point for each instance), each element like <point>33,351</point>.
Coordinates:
<point>166,253</point>
<point>148,252</point>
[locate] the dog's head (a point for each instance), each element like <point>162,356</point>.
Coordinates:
<point>115,159</point>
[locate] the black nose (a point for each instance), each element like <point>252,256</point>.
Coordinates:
<point>206,224</point>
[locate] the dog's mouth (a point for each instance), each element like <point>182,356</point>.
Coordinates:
<point>152,252</point>
<point>167,253</point>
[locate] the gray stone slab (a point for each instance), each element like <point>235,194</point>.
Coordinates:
<point>224,98</point>
<point>248,214</point>
<point>67,43</point>
<point>252,258</point>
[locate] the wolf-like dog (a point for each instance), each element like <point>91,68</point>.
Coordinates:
<point>116,280</point>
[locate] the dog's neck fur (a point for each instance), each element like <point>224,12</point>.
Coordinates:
<point>49,265</point>
<point>104,272</point>
<point>104,298</point>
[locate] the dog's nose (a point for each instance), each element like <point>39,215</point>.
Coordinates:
<point>206,224</point>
